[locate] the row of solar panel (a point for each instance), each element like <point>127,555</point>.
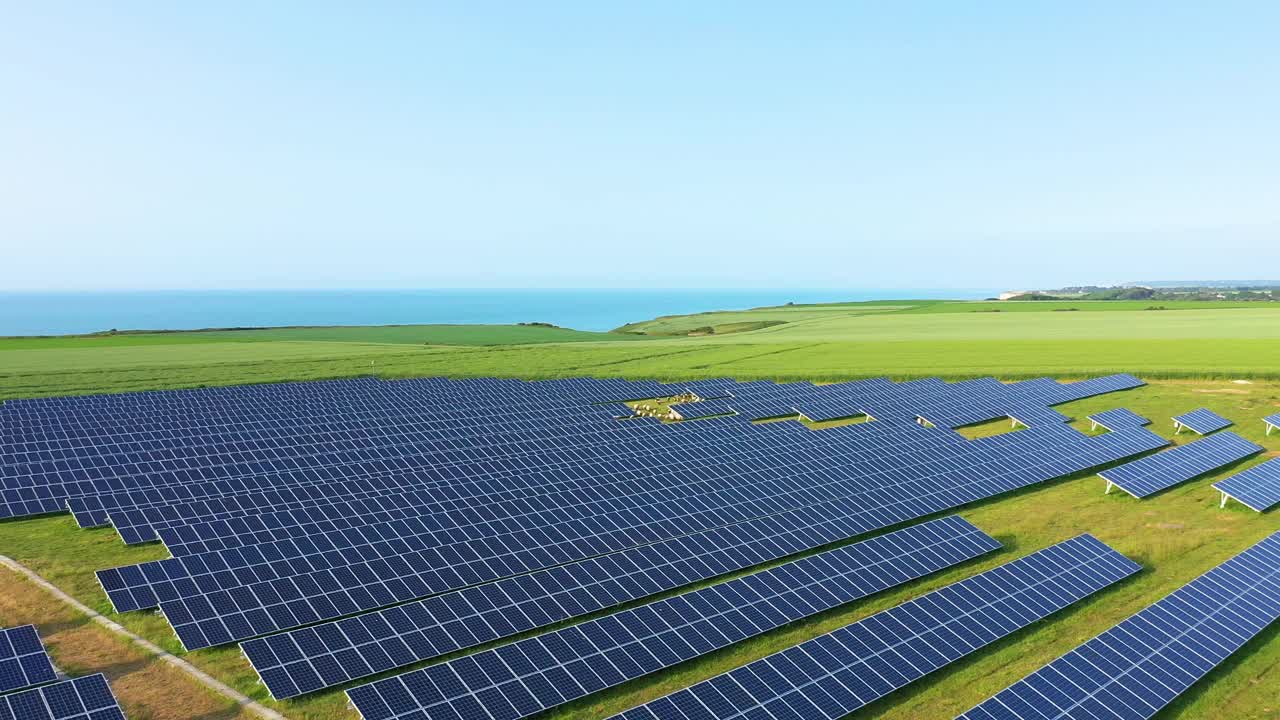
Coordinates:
<point>1150,475</point>
<point>1130,671</point>
<point>172,476</point>
<point>170,541</point>
<point>539,673</point>
<point>305,433</point>
<point>1139,666</point>
<point>294,663</point>
<point>827,677</point>
<point>55,500</point>
<point>552,470</point>
<point>23,660</point>
<point>904,390</point>
<point>30,689</point>
<point>472,616</point>
<point>209,614</point>
<point>642,508</point>
<point>418,457</point>
<point>438,527</point>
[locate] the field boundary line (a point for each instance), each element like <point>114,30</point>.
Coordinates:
<point>201,676</point>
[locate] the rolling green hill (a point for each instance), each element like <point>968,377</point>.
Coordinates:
<point>901,339</point>
<point>839,341</point>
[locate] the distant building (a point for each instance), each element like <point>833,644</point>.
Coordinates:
<point>1012,294</point>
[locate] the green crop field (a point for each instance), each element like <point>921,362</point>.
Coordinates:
<point>902,339</point>
<point>1224,357</point>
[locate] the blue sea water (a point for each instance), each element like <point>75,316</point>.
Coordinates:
<point>59,313</point>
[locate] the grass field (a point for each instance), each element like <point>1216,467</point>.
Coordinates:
<point>1198,348</point>
<point>902,339</point>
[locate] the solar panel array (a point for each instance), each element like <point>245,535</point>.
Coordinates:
<point>834,674</point>
<point>1258,487</point>
<point>1272,421</point>
<point>1139,666</point>
<point>557,667</point>
<point>30,689</point>
<point>1149,475</point>
<point>1202,420</point>
<point>1118,419</point>
<point>447,623</point>
<point>383,523</point>
<point>23,660</point>
<point>84,698</point>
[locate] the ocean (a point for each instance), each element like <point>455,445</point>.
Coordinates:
<point>61,313</point>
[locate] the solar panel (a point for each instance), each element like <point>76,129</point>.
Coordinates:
<point>1258,487</point>
<point>557,667</point>
<point>23,660</point>
<point>1005,462</point>
<point>299,503</point>
<point>524,554</point>
<point>405,634</point>
<point>1117,419</point>
<point>1149,475</point>
<point>832,675</point>
<point>84,446</point>
<point>1139,666</point>
<point>1202,421</point>
<point>1272,422</point>
<point>1096,386</point>
<point>753,479</point>
<point>86,698</point>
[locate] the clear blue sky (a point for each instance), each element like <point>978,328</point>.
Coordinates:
<point>741,144</point>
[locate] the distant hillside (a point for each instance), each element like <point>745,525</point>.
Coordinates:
<point>1204,283</point>
<point>1260,292</point>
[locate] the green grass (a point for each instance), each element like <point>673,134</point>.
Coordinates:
<point>902,339</point>
<point>1175,536</point>
<point>744,320</point>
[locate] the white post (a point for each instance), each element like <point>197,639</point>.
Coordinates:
<point>1093,426</point>
<point>1108,490</point>
<point>1224,501</point>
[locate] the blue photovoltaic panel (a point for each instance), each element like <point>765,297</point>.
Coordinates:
<point>834,674</point>
<point>1203,421</point>
<point>86,698</point>
<point>398,636</point>
<point>23,660</point>
<point>749,469</point>
<point>1139,666</point>
<point>1079,390</point>
<point>1004,462</point>
<point>1149,475</point>
<point>1258,487</point>
<point>294,504</point>
<point>1119,418</point>
<point>1273,421</point>
<point>542,672</point>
